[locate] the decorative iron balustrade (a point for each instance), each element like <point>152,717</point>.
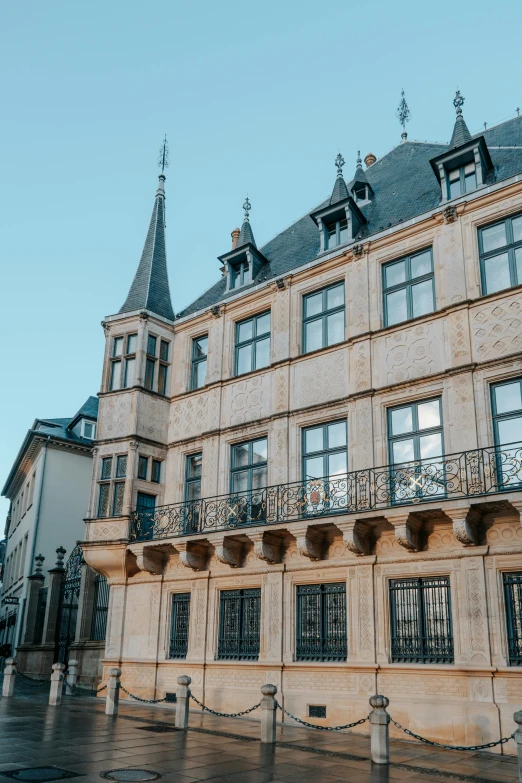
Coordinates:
<point>486,471</point>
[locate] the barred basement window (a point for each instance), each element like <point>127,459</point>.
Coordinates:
<point>321,622</point>
<point>179,626</point>
<point>421,629</point>
<point>100,608</point>
<point>317,711</point>
<point>513,598</point>
<point>239,625</point>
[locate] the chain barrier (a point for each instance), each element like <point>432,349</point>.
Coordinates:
<point>32,682</point>
<point>223,714</point>
<point>452,747</point>
<point>138,698</point>
<point>85,691</point>
<point>322,728</point>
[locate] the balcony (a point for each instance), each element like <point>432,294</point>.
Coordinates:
<point>468,474</point>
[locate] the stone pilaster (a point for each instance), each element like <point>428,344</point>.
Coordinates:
<point>34,585</point>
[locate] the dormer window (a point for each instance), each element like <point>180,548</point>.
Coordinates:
<point>462,180</point>
<point>360,193</point>
<point>336,233</point>
<point>240,275</point>
<point>88,429</point>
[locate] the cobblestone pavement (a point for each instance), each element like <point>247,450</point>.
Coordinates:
<point>80,738</point>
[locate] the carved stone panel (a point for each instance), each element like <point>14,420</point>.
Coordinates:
<point>198,620</point>
<point>272,600</point>
<point>319,379</point>
<point>408,354</point>
<point>497,328</point>
<point>247,400</point>
<point>361,613</point>
<point>153,416</point>
<point>115,417</point>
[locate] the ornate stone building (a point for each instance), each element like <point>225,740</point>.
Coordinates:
<point>312,475</point>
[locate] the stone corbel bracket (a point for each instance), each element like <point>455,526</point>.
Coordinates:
<point>465,523</point>
<point>309,542</point>
<point>228,551</point>
<point>407,531</point>
<point>356,537</point>
<point>192,555</point>
<point>148,558</point>
<point>267,547</point>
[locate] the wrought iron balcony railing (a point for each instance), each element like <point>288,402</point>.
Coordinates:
<point>466,474</point>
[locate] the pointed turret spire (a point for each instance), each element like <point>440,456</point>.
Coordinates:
<point>246,235</point>
<point>403,114</point>
<point>360,174</point>
<point>150,287</point>
<point>461,134</point>
<point>340,191</point>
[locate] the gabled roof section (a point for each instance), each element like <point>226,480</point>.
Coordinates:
<point>150,287</point>
<point>89,410</point>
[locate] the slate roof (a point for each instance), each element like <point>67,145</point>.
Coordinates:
<point>246,235</point>
<point>461,134</point>
<point>57,429</point>
<point>339,192</point>
<point>150,287</point>
<point>404,186</point>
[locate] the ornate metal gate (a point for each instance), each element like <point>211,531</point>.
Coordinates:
<point>68,609</point>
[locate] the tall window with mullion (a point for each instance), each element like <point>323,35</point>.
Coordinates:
<point>239,624</point>
<point>123,362</point>
<point>462,180</point>
<point>145,509</point>
<point>179,625</point>
<point>500,247</point>
<point>198,372</point>
<point>323,318</point>
<point>513,599</point>
<point>150,362</point>
<point>325,466</point>
<point>193,466</point>
<point>253,344</point>
<point>321,622</point>
<point>408,288</point>
<point>416,447</point>
<point>420,613</point>
<point>248,478</point>
<point>506,403</point>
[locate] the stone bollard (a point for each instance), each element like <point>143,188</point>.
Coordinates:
<point>182,702</point>
<point>9,678</point>
<point>113,692</point>
<point>55,694</point>
<point>379,733</point>
<point>518,739</point>
<point>71,677</point>
<point>268,714</point>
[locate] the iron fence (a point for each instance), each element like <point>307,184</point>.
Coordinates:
<point>465,474</point>
<point>100,608</point>
<point>513,596</point>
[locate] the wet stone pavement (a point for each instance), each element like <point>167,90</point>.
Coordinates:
<point>81,740</point>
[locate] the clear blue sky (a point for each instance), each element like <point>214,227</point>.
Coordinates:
<point>255,97</point>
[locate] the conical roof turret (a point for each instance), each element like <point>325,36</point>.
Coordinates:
<point>246,235</point>
<point>340,191</point>
<point>461,134</point>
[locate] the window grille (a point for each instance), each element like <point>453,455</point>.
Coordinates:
<point>179,626</point>
<point>118,494</point>
<point>421,629</point>
<point>513,597</point>
<point>103,503</point>
<point>106,468</point>
<point>317,711</point>
<point>100,608</point>
<point>321,622</point>
<point>121,466</point>
<point>239,625</point>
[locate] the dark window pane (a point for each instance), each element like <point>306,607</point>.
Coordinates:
<point>151,345</point>
<point>117,502</point>
<point>143,464</point>
<point>179,625</point>
<point>162,378</point>
<point>106,469</point>
<point>164,350</point>
<point>239,624</point>
<point>155,473</point>
<point>146,502</point>
<point>240,455</point>
<point>321,623</point>
<point>259,477</point>
<point>149,374</point>
<point>343,232</point>
<point>121,467</point>
<point>240,481</point>
<point>103,502</point>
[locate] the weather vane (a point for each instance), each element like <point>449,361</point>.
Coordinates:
<point>458,102</point>
<point>247,207</point>
<point>163,159</point>
<point>339,162</point>
<point>403,114</point>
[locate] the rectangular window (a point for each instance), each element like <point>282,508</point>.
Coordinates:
<point>123,355</point>
<point>408,288</point>
<point>164,351</point>
<point>240,275</point>
<point>150,366</point>
<point>103,501</point>
<point>162,378</point>
<point>239,625</point>
<point>500,247</point>
<point>179,625</point>
<point>145,507</point>
<point>421,620</point>
<point>321,622</point>
<point>143,467</point>
<point>193,466</point>
<point>506,403</point>
<point>253,344</point>
<point>155,471</point>
<point>248,478</point>
<point>151,345</point>
<point>336,234</point>
<point>100,608</point>
<point>513,598</point>
<point>415,441</point>
<point>106,468</point>
<point>88,429</point>
<point>199,362</point>
<point>462,180</point>
<point>115,375</point>
<point>117,346</point>
<point>323,318</point>
<point>325,465</point>
<point>121,466</point>
<point>117,498</point>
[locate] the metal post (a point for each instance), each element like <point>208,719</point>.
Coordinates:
<point>55,694</point>
<point>518,739</point>
<point>268,714</point>
<point>113,692</point>
<point>71,677</point>
<point>182,702</point>
<point>379,732</point>
<point>9,678</point>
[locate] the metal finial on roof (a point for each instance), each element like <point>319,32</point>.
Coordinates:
<point>247,207</point>
<point>518,111</point>
<point>339,162</point>
<point>163,158</point>
<point>359,160</point>
<point>403,114</point>
<point>458,102</point>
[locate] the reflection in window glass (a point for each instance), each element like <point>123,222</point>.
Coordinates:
<point>501,270</point>
<point>323,322</point>
<point>253,344</point>
<point>408,288</point>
